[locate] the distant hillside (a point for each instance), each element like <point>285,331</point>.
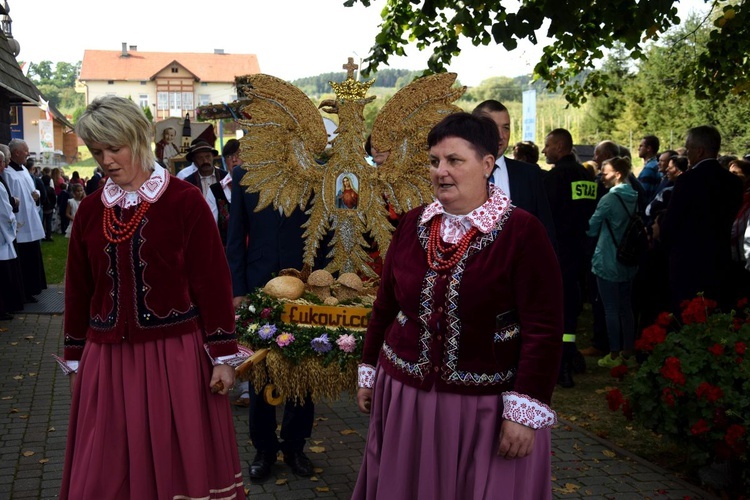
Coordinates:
<point>390,78</point>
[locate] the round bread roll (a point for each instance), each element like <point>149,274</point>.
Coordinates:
<point>285,287</point>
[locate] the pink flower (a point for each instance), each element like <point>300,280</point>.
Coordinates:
<point>347,343</point>
<point>284,339</point>
<point>265,313</point>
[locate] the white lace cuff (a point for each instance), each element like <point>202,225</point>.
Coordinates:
<point>233,360</point>
<point>366,376</point>
<point>527,411</point>
<point>67,367</point>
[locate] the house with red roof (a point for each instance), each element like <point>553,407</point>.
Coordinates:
<point>169,83</point>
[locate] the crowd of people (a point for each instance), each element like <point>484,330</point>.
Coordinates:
<point>473,326</point>
<point>37,202</point>
<point>695,215</point>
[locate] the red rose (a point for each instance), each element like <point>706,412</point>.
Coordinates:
<point>700,427</point>
<point>740,348</point>
<point>696,310</point>
<point>716,349</point>
<point>742,303</point>
<point>735,437</point>
<point>619,371</point>
<point>668,397</point>
<point>614,399</point>
<point>651,337</point>
<point>672,370</point>
<point>737,324</point>
<point>664,319</point>
<point>709,392</point>
<point>265,313</point>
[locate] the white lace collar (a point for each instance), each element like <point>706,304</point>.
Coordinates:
<point>150,191</point>
<point>484,217</point>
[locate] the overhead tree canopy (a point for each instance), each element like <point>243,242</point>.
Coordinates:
<point>581,31</point>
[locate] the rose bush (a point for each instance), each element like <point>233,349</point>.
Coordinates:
<point>694,383</point>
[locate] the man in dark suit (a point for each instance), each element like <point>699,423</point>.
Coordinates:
<point>202,154</point>
<point>260,244</point>
<point>93,183</point>
<point>697,225</point>
<point>521,181</point>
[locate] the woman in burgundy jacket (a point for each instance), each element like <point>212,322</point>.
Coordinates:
<point>463,346</point>
<point>148,298</point>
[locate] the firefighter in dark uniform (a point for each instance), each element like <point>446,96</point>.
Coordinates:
<point>571,190</point>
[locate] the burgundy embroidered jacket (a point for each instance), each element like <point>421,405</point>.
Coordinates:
<point>171,278</point>
<point>492,325</point>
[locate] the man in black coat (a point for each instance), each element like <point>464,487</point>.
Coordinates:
<point>697,224</point>
<point>259,245</point>
<point>521,181</point>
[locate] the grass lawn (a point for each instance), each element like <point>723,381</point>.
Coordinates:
<point>55,254</point>
<point>85,167</point>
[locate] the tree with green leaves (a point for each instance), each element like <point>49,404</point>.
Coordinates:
<point>656,97</point>
<point>581,32</point>
<point>58,85</point>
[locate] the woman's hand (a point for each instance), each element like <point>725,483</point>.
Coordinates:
<point>225,375</point>
<point>364,400</point>
<point>72,378</point>
<point>516,440</point>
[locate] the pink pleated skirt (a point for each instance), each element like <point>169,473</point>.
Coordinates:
<point>442,446</point>
<point>144,425</point>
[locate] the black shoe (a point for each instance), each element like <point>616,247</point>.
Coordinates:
<point>578,362</point>
<point>299,463</point>
<point>48,239</point>
<point>30,300</point>
<point>261,466</point>
<point>6,317</point>
<point>565,379</point>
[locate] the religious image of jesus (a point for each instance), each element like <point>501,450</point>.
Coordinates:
<point>347,196</point>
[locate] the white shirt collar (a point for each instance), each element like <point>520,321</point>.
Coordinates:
<point>150,191</point>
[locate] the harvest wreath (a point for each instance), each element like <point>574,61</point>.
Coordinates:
<point>307,338</point>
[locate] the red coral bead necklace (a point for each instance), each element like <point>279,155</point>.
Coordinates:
<point>442,256</point>
<point>117,231</point>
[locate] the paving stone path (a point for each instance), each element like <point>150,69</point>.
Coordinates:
<point>34,403</point>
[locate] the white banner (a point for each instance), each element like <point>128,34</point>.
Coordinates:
<point>46,136</point>
<point>529,115</point>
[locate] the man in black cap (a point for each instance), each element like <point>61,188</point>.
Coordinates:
<point>202,155</point>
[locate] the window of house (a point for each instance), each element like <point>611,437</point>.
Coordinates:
<point>175,100</point>
<point>204,99</point>
<point>162,99</point>
<point>174,70</point>
<point>143,100</point>
<point>110,82</point>
<point>187,100</point>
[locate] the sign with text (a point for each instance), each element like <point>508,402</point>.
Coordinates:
<point>349,317</point>
<point>529,115</point>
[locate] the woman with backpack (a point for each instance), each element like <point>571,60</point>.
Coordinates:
<point>609,224</point>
